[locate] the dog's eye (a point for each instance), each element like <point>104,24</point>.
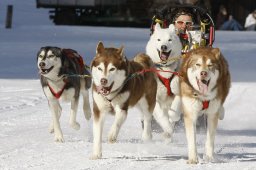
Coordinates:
<point>40,56</point>
<point>198,64</point>
<point>112,69</point>
<point>170,40</point>
<point>50,56</point>
<point>99,69</point>
<point>210,65</point>
<point>158,40</point>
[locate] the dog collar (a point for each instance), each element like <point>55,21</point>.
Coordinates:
<point>57,94</point>
<point>158,65</point>
<point>205,104</point>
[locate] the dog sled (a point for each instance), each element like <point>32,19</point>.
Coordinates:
<point>202,32</point>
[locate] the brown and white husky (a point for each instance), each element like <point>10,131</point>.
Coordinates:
<point>204,87</point>
<point>115,89</point>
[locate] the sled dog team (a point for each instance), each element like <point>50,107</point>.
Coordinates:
<point>158,83</point>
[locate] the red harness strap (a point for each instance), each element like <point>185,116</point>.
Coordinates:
<point>205,104</point>
<point>166,82</point>
<point>59,93</point>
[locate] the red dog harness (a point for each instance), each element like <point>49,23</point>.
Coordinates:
<point>72,55</point>
<point>205,104</point>
<point>57,94</point>
<point>166,82</point>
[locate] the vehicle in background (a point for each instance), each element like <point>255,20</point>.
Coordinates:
<point>121,13</point>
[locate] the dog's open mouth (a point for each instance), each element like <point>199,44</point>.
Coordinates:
<point>203,85</point>
<point>45,71</point>
<point>164,55</point>
<point>104,90</point>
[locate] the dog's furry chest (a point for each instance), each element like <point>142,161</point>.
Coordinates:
<point>60,90</point>
<point>106,105</point>
<point>195,105</point>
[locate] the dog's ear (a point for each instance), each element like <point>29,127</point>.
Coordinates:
<point>216,52</point>
<point>56,51</point>
<point>39,52</point>
<point>172,28</point>
<point>100,48</point>
<point>157,26</point>
<point>185,63</point>
<point>120,51</point>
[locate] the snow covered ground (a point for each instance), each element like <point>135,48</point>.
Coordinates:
<point>24,115</point>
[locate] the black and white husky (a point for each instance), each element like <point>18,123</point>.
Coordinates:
<point>60,71</point>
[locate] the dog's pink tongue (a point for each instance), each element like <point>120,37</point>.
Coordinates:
<point>99,89</point>
<point>202,87</point>
<point>163,56</point>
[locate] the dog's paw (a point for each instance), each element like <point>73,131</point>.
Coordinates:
<point>167,135</point>
<point>212,159</point>
<point>95,156</point>
<point>87,114</point>
<point>112,136</point>
<point>192,161</point>
<point>208,159</point>
<point>59,138</point>
<point>173,116</point>
<point>75,125</point>
<point>51,129</point>
<point>112,139</point>
<point>167,138</point>
<point>146,137</point>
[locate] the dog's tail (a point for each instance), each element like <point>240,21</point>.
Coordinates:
<point>144,60</point>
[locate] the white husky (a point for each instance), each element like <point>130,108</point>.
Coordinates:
<point>164,47</point>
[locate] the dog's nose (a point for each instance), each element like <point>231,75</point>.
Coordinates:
<point>103,81</point>
<point>204,74</point>
<point>163,47</point>
<point>42,64</point>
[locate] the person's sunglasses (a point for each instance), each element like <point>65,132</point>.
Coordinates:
<point>188,23</point>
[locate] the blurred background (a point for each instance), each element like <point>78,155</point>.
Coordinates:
<point>133,13</point>
<point>125,13</point>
